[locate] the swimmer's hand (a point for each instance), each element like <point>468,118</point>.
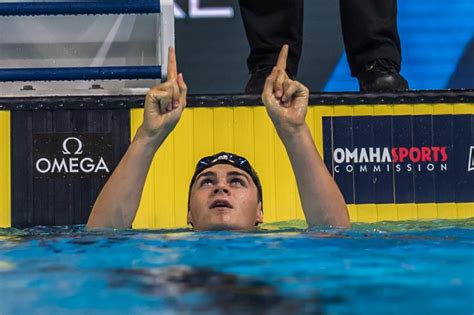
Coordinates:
<point>165,103</point>
<point>286,100</point>
<point>287,103</point>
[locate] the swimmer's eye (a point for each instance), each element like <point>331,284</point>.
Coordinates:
<point>206,182</point>
<point>236,181</point>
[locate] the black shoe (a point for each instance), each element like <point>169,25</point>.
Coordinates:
<point>257,80</point>
<point>381,75</point>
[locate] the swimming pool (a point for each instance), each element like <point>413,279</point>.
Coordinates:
<point>384,268</point>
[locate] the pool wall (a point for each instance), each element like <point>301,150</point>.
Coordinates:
<point>395,156</point>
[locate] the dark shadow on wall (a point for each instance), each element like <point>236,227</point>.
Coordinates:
<point>323,45</point>
<point>212,52</point>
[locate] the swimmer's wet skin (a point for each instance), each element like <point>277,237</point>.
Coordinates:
<point>225,192</point>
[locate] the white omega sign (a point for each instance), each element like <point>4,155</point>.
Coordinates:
<point>79,145</point>
<point>73,162</point>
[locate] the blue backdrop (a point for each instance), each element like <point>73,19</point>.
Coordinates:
<point>437,46</point>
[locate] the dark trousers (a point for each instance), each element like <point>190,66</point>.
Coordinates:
<point>369,29</point>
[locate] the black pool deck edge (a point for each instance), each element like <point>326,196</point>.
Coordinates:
<point>90,102</point>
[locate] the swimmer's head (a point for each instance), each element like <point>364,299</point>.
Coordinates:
<point>225,193</point>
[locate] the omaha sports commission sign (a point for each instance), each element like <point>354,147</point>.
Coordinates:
<point>401,159</point>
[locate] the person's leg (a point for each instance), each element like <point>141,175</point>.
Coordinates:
<point>269,25</point>
<point>372,43</point>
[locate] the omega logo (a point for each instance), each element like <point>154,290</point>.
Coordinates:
<point>74,162</point>
<point>79,145</point>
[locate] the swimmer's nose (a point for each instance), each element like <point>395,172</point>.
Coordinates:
<point>221,189</point>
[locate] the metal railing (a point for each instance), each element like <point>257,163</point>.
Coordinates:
<point>165,33</point>
<point>80,7</point>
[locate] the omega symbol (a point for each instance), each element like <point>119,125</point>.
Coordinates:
<point>79,145</point>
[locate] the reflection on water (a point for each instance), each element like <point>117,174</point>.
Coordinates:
<point>205,290</point>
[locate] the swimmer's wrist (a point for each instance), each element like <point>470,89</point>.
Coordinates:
<point>293,133</point>
<point>153,140</point>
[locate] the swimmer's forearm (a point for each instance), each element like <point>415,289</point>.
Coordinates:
<point>118,201</point>
<point>322,201</point>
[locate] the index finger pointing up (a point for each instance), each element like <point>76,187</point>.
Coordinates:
<point>172,68</point>
<point>281,63</point>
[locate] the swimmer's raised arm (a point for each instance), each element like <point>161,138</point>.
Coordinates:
<point>286,102</point>
<point>118,201</point>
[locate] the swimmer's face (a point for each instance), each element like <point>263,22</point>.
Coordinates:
<point>224,197</point>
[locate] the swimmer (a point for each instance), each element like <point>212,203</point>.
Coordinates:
<point>225,192</point>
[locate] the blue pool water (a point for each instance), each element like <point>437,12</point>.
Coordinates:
<point>385,268</point>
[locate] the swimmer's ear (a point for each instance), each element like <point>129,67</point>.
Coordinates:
<point>259,219</point>
<point>189,219</point>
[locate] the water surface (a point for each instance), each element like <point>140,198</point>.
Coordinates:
<point>384,268</point>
